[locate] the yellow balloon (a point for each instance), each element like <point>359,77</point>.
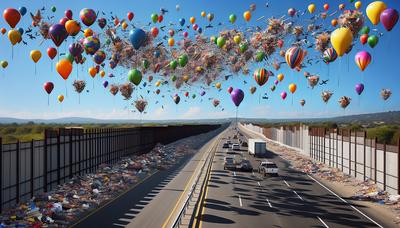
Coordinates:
<point>374,10</point>
<point>102,73</point>
<point>14,36</point>
<point>311,8</point>
<point>341,40</point>
<point>247,16</point>
<point>218,85</point>
<point>357,4</point>
<point>88,32</point>
<point>36,55</point>
<point>203,14</point>
<point>158,83</point>
<point>60,98</point>
<point>124,25</point>
<point>186,78</point>
<point>237,39</point>
<point>171,42</point>
<point>281,77</point>
<point>292,88</point>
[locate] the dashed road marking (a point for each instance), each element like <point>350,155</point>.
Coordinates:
<point>234,174</point>
<point>323,222</point>
<point>240,201</point>
<point>269,204</point>
<point>297,195</point>
<point>286,183</point>
<point>259,183</point>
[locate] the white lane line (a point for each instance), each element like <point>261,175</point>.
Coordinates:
<point>286,183</point>
<point>234,174</point>
<point>252,173</point>
<point>297,195</point>
<point>240,201</point>
<point>323,222</point>
<point>116,224</point>
<point>370,219</point>
<point>269,204</point>
<point>259,183</point>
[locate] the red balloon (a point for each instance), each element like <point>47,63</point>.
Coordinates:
<point>68,14</point>
<point>160,18</point>
<point>185,34</point>
<point>195,27</point>
<point>130,16</point>
<point>48,87</point>
<point>63,20</point>
<point>12,16</point>
<point>51,52</point>
<point>171,32</point>
<point>154,31</point>
<point>364,38</point>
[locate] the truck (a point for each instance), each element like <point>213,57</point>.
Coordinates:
<point>257,147</point>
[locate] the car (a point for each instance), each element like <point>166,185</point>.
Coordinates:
<point>229,141</point>
<point>268,168</point>
<point>229,162</point>
<point>244,144</point>
<point>245,165</point>
<point>235,146</point>
<point>225,145</point>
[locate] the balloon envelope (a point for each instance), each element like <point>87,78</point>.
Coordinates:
<point>359,88</point>
<point>389,18</point>
<point>237,96</point>
<point>137,38</point>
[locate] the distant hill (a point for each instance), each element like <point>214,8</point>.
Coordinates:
<point>392,117</point>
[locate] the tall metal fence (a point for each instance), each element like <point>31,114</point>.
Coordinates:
<point>350,151</point>
<point>30,168</point>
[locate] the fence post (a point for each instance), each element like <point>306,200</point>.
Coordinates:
<point>58,157</point>
<point>70,155</point>
<point>384,166</point>
<point>375,160</point>
<point>79,151</point>
<point>32,169</point>
<point>398,165</point>
<point>337,148</point>
<point>341,151</point>
<point>17,172</point>
<point>365,155</point>
<point>355,154</point>
<point>349,152</point>
<point>329,132</point>
<point>45,161</point>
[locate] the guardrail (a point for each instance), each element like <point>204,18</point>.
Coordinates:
<point>182,213</point>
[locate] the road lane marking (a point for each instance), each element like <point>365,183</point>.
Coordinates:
<point>323,222</point>
<point>269,204</point>
<point>297,195</point>
<point>333,193</point>
<point>259,183</point>
<point>286,183</point>
<point>234,173</point>
<point>252,173</point>
<point>240,201</point>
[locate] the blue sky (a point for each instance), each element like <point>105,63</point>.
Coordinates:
<point>22,94</point>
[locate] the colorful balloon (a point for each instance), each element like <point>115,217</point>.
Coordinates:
<point>4,64</point>
<point>261,76</point>
<point>374,10</point>
<point>230,89</point>
<point>232,18</point>
<point>154,17</point>
<point>247,15</point>
<point>99,57</point>
<point>75,49</point>
<point>88,16</point>
<point>51,52</point>
<point>294,57</point>
<point>192,20</point>
<point>137,38</point>
<point>302,102</point>
<point>176,99</point>
<point>362,59</point>
<point>91,44</point>
<point>102,22</point>
<point>58,34</point>
<point>291,12</point>
<point>72,27</point>
<point>11,16</point>
<point>221,41</point>
<point>357,5</point>
<point>329,55</point>
<point>237,96</point>
<point>64,68</point>
<point>105,84</point>
<point>389,18</point>
<point>341,40</point>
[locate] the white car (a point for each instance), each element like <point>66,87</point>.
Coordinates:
<point>268,168</point>
<point>235,146</point>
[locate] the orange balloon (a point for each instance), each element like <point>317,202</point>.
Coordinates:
<point>171,42</point>
<point>3,31</point>
<point>247,15</point>
<point>14,36</point>
<point>72,27</point>
<point>292,88</point>
<point>102,73</point>
<point>88,32</point>
<point>192,20</point>
<point>64,68</point>
<point>334,22</point>
<point>124,25</point>
<point>92,71</point>
<point>116,21</point>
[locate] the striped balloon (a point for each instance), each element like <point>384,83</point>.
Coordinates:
<point>294,57</point>
<point>261,76</point>
<point>330,55</point>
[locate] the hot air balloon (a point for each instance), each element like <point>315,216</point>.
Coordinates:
<point>216,102</point>
<point>341,40</point>
<point>326,95</point>
<point>344,101</point>
<point>294,57</point>
<point>91,44</point>
<point>329,55</point>
<point>261,76</point>
<point>99,57</point>
<point>88,16</point>
<point>302,102</point>
<point>362,59</point>
<point>385,94</point>
<point>252,89</point>
<point>374,10</point>
<point>72,27</point>
<point>237,96</point>
<point>389,18</point>
<point>311,8</point>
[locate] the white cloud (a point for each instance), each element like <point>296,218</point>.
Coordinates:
<point>191,113</point>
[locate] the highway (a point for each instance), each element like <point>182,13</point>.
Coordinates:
<point>292,199</point>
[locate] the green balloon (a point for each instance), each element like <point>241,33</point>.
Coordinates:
<point>135,76</point>
<point>154,17</point>
<point>70,58</point>
<point>53,9</point>
<point>194,96</point>
<point>373,41</point>
<point>145,63</point>
<point>221,41</point>
<point>4,64</point>
<point>243,47</point>
<point>273,88</point>
<point>232,18</point>
<point>108,41</point>
<point>260,56</point>
<point>183,60</point>
<point>351,1</point>
<point>173,78</point>
<point>364,30</point>
<point>173,64</point>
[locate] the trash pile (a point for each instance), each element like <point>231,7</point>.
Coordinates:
<point>365,190</point>
<point>62,206</point>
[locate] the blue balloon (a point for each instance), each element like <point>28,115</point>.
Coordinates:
<point>182,21</point>
<point>105,84</point>
<point>22,10</point>
<point>137,38</point>
<point>21,31</point>
<point>144,84</point>
<point>156,53</point>
<point>199,30</point>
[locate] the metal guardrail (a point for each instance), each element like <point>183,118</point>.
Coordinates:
<point>182,213</point>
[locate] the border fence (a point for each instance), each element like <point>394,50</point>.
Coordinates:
<point>30,168</point>
<point>350,151</point>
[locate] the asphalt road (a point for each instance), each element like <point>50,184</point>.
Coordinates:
<point>292,199</point>
<point>127,209</point>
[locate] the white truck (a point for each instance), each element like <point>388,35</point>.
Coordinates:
<point>257,147</point>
